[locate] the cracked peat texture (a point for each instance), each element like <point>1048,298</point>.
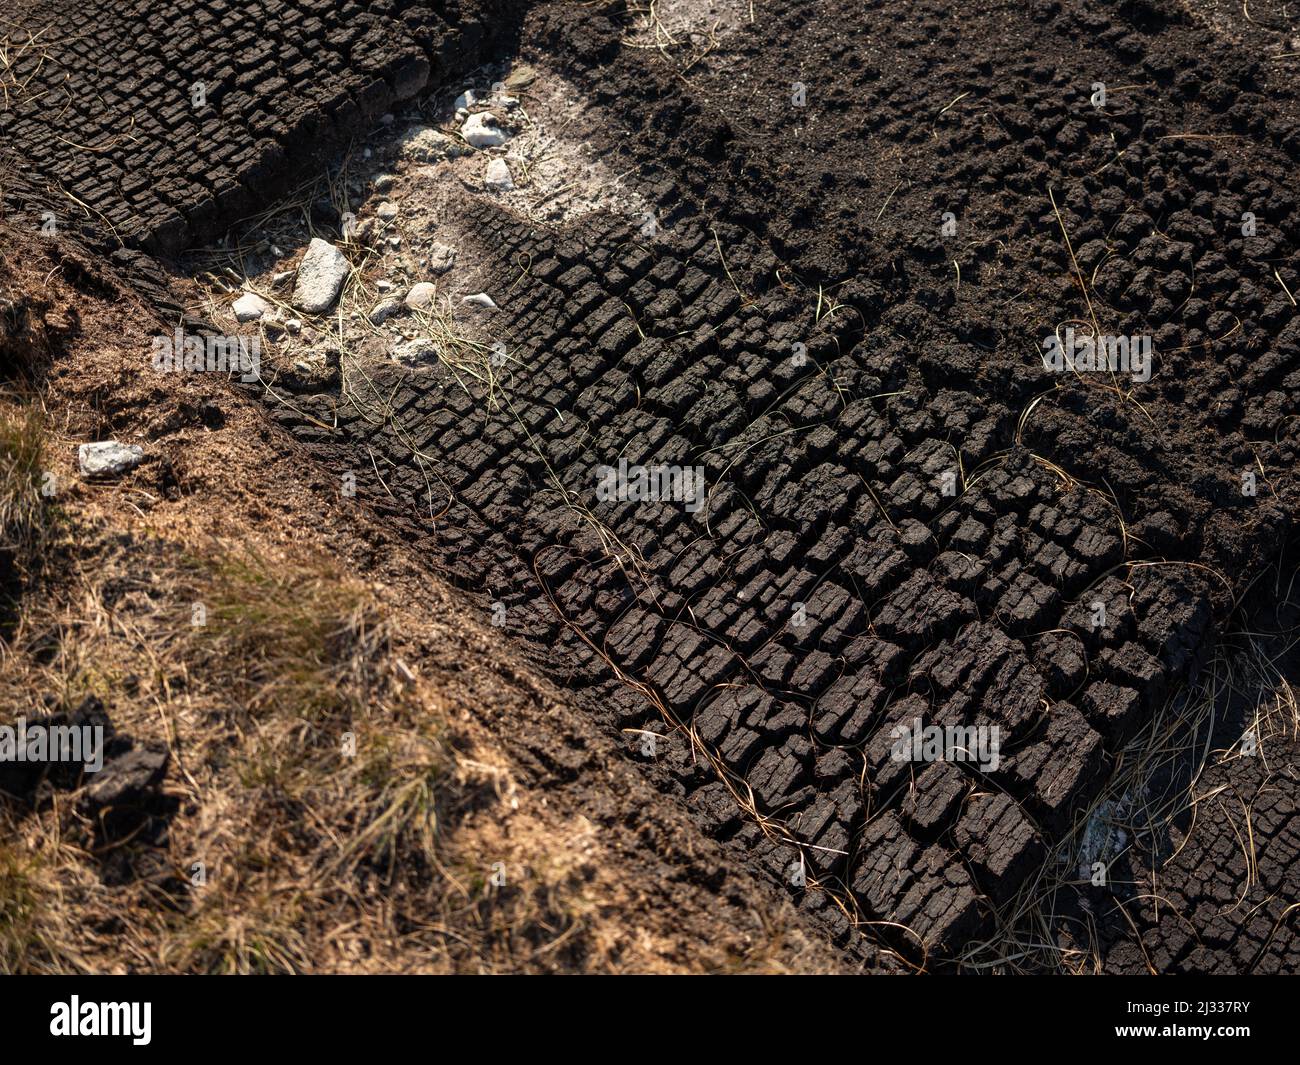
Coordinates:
<point>830,590</point>
<point>165,122</point>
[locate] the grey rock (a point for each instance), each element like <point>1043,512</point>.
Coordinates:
<point>421,295</point>
<point>384,310</point>
<point>498,178</point>
<point>441,258</point>
<point>108,458</point>
<point>321,274</point>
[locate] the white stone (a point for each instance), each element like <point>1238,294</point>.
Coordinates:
<point>320,277</point>
<point>108,458</point>
<point>421,295</point>
<point>250,307</point>
<point>482,131</point>
<point>498,177</point>
<point>481,299</point>
<point>294,325</point>
<point>465,100</point>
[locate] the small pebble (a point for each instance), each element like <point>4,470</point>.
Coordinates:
<point>250,307</point>
<point>421,295</point>
<point>384,310</point>
<point>482,131</point>
<point>441,258</point>
<point>498,177</point>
